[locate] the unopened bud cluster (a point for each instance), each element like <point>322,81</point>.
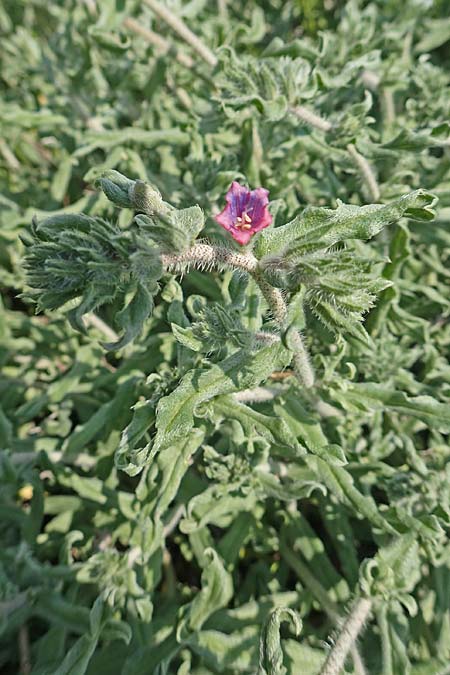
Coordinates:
<point>132,194</point>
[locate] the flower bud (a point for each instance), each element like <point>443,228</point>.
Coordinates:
<point>116,187</point>
<point>145,198</point>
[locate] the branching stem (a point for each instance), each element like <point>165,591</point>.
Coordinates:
<point>366,172</point>
<point>157,41</point>
<point>319,592</point>
<point>347,637</point>
<point>311,118</point>
<point>183,31</point>
<point>206,256</point>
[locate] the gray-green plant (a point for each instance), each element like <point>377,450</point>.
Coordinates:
<point>217,459</point>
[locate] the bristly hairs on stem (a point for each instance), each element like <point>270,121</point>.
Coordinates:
<point>367,174</point>
<point>207,256</point>
<point>183,31</point>
<point>160,43</point>
<point>311,118</point>
<point>347,637</point>
<point>366,171</point>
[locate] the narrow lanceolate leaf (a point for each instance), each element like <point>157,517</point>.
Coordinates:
<point>109,139</point>
<point>340,483</point>
<point>372,396</point>
<point>133,316</point>
<point>77,659</point>
<point>242,370</point>
<point>173,462</point>
<point>271,652</point>
<point>216,591</point>
<point>118,146</point>
<point>133,450</point>
<point>275,430</point>
<point>317,227</point>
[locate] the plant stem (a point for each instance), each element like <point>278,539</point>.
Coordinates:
<point>318,591</point>
<point>160,43</point>
<point>366,171</point>
<point>256,395</point>
<point>175,518</point>
<point>311,118</point>
<point>183,31</point>
<point>388,106</point>
<point>205,256</point>
<point>222,7</point>
<point>386,649</point>
<point>92,7</point>
<point>370,80</point>
<point>98,323</point>
<point>274,298</point>
<point>9,156</point>
<point>347,637</point>
<point>302,365</point>
<point>24,650</point>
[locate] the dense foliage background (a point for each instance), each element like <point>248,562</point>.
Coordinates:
<point>226,530</point>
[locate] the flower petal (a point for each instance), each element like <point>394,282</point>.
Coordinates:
<point>237,197</point>
<point>242,202</point>
<point>265,221</point>
<point>241,236</point>
<point>257,204</point>
<point>225,218</point>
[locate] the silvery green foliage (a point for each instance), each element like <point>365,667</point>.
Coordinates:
<point>171,503</point>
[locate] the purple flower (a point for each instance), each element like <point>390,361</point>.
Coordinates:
<point>245,213</point>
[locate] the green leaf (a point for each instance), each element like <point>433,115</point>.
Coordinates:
<point>318,227</point>
<point>216,591</point>
<point>276,431</point>
<point>270,651</point>
<point>241,370</point>
<point>373,396</point>
<point>186,337</point>
<point>237,651</point>
<point>191,221</point>
<point>394,569</point>
<point>106,140</point>
<point>133,316</point>
<point>129,457</point>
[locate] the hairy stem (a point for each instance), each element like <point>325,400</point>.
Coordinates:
<point>256,395</point>
<point>302,364</point>
<point>366,172</point>
<point>388,106</point>
<point>9,156</point>
<point>96,322</point>
<point>24,650</point>
<point>319,592</point>
<point>386,649</point>
<point>347,637</point>
<point>206,256</point>
<point>311,118</point>
<point>183,31</point>
<point>160,43</point>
